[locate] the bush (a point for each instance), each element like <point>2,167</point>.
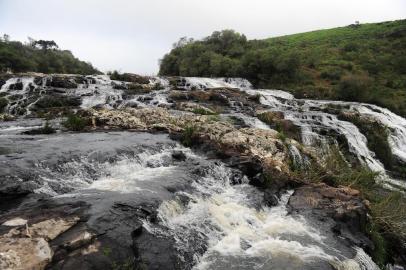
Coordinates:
<point>354,87</point>
<point>332,73</point>
<point>188,135</point>
<point>203,111</point>
<point>3,103</point>
<point>76,123</point>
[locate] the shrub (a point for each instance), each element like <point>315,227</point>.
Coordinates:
<point>3,103</point>
<point>188,135</point>
<point>203,111</point>
<point>354,87</point>
<point>76,123</point>
<point>332,73</point>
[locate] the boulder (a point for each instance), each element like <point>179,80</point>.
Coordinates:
<point>61,82</point>
<point>24,253</point>
<point>179,155</point>
<point>340,207</point>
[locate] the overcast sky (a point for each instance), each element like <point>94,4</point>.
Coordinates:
<point>132,35</point>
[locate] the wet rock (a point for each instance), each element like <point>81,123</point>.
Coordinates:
<point>61,82</point>
<point>270,198</point>
<point>131,77</point>
<point>153,252</point>
<point>2,82</point>
<point>24,253</point>
<point>131,104</point>
<point>58,101</point>
<point>249,147</point>
<point>343,206</point>
<point>16,86</point>
<point>179,155</point>
<point>39,81</point>
<point>119,86</point>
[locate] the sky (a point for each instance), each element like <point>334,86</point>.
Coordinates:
<point>132,35</point>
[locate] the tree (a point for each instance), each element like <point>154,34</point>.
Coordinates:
<point>6,38</point>
<point>46,44</point>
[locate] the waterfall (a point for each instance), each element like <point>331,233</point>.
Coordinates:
<point>205,83</point>
<point>316,125</point>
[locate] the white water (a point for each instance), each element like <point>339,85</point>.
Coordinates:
<point>240,233</point>
<point>206,83</point>
<point>314,123</point>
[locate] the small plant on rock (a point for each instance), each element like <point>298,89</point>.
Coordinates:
<point>76,123</point>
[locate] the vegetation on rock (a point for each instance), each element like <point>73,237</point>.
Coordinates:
<point>76,122</point>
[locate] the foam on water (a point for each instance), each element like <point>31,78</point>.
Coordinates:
<point>308,115</point>
<point>206,83</point>
<point>236,231</point>
<point>122,175</point>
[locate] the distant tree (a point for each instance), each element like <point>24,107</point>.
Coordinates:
<point>183,41</point>
<point>46,44</point>
<point>31,42</point>
<point>6,38</point>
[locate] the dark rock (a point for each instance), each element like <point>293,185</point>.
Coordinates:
<point>145,98</point>
<point>120,86</point>
<point>61,82</point>
<point>152,252</point>
<point>131,104</point>
<point>38,80</point>
<point>342,209</point>
<point>58,101</point>
<point>179,155</point>
<point>130,77</point>
<point>16,86</point>
<point>2,82</point>
<point>270,198</point>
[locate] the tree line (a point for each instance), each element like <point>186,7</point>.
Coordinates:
<point>40,56</point>
<point>359,62</point>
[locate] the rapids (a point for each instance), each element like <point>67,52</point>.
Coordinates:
<point>215,218</point>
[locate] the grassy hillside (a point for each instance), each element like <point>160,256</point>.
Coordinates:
<point>365,62</point>
<point>19,57</point>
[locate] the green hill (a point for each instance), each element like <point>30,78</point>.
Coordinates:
<point>40,56</point>
<point>360,62</point>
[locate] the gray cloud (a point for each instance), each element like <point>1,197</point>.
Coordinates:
<point>131,35</point>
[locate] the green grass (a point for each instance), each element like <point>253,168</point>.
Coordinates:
<point>188,136</point>
<point>366,62</point>
<point>203,111</point>
<point>76,123</point>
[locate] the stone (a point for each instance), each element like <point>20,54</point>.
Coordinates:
<point>24,253</point>
<point>179,155</point>
<point>341,205</point>
<point>15,222</point>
